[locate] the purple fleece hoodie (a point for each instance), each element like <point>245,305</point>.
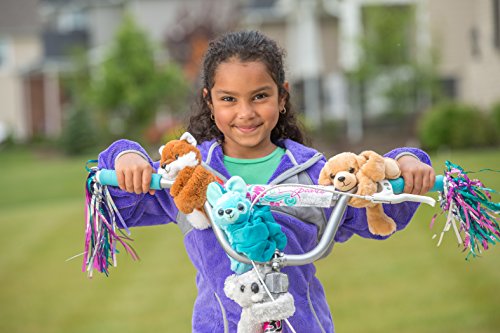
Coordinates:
<point>213,311</point>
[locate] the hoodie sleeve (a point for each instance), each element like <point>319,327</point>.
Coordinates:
<point>138,209</point>
<point>355,218</point>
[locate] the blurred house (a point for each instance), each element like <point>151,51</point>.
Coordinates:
<point>66,25</point>
<point>467,35</point>
<point>321,38</point>
<point>20,47</point>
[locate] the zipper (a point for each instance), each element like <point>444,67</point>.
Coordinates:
<point>312,308</point>
<point>297,169</point>
<point>223,311</point>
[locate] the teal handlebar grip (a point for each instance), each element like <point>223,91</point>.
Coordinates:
<point>398,184</point>
<point>108,177</point>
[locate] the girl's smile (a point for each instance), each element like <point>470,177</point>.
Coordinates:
<point>245,104</point>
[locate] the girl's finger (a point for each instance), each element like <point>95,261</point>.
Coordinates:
<point>146,180</point>
<point>121,179</point>
<point>138,181</point>
<point>417,183</point>
<point>428,183</point>
<point>129,181</point>
<point>408,177</point>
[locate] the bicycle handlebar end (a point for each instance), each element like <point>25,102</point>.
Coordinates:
<point>108,177</point>
<point>398,185</point>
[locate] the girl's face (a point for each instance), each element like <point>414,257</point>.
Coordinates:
<point>245,105</point>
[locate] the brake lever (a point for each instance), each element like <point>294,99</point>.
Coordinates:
<point>386,195</point>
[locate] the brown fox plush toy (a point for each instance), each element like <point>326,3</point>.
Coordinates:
<point>181,161</point>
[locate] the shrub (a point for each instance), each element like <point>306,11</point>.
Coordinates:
<point>79,135</point>
<point>454,125</point>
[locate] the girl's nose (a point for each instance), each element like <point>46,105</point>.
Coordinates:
<point>246,110</point>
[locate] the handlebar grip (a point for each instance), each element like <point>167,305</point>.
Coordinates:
<point>108,177</point>
<point>398,184</point>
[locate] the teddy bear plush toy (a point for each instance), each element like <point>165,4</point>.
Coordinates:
<point>181,161</point>
<point>348,170</point>
<point>252,232</point>
<point>257,307</point>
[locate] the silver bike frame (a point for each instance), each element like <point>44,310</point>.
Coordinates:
<point>289,259</point>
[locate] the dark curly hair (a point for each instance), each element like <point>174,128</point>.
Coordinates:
<point>246,46</point>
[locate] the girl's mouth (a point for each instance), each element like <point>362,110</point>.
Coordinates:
<point>247,129</point>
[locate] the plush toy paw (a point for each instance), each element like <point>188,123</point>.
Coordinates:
<point>347,171</point>
<point>385,226</point>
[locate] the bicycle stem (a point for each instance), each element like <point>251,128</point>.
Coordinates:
<point>290,259</point>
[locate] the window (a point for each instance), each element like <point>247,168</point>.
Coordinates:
<point>3,53</point>
<point>474,42</point>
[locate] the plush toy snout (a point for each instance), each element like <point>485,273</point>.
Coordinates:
<point>231,215</point>
<point>347,171</point>
<point>345,181</point>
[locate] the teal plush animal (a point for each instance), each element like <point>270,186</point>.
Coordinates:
<point>252,232</point>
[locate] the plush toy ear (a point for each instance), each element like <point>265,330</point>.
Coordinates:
<point>324,176</point>
<point>161,149</point>
<point>230,285</point>
<point>237,184</point>
<point>361,160</point>
<point>374,168</point>
<point>214,192</point>
<point>189,138</point>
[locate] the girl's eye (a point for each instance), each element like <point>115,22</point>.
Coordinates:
<point>228,99</point>
<point>176,156</point>
<point>260,96</point>
<point>351,170</point>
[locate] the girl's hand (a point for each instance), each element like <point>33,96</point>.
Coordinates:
<point>134,173</point>
<point>419,177</point>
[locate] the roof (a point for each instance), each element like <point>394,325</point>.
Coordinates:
<point>19,17</point>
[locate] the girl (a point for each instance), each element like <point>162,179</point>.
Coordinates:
<point>246,126</point>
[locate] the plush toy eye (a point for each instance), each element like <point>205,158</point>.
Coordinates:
<point>332,176</point>
<point>164,165</point>
<point>242,288</point>
<point>255,288</point>
<point>241,207</point>
<point>176,156</point>
<point>220,212</point>
<point>351,170</point>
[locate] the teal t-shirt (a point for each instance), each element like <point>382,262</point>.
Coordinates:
<point>254,170</point>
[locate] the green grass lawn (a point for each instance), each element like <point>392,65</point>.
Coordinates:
<point>404,284</point>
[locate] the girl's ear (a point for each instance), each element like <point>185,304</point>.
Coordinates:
<point>282,103</point>
<point>214,192</point>
<point>205,94</point>
<point>237,184</point>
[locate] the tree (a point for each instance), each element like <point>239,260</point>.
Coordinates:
<point>389,67</point>
<point>79,134</point>
<point>131,86</point>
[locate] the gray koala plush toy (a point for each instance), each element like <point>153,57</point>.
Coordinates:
<point>257,307</point>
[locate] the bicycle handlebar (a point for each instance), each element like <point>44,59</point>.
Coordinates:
<point>108,177</point>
